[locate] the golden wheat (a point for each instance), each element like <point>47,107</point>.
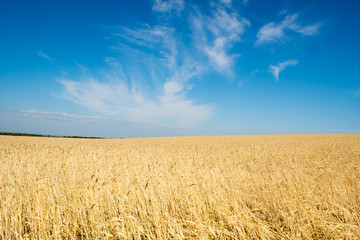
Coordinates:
<point>228,187</point>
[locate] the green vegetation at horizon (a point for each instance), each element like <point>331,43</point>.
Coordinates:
<point>40,135</point>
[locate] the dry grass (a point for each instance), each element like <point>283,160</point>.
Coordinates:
<point>231,187</point>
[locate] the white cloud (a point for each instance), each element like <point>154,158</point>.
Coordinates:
<point>226,1</point>
<point>43,55</point>
<point>168,5</point>
<point>309,30</point>
<point>172,88</point>
<point>159,38</point>
<point>273,32</point>
<point>169,107</point>
<point>215,35</point>
<point>149,80</point>
<point>275,70</point>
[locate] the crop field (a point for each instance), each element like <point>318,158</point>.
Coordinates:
<point>223,187</point>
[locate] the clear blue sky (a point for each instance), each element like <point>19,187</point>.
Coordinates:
<point>177,67</point>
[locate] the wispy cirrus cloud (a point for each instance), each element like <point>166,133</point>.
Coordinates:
<point>171,106</point>
<point>216,34</point>
<point>159,54</point>
<point>159,38</point>
<point>146,53</point>
<point>230,1</point>
<point>168,5</point>
<point>273,32</point>
<point>276,69</point>
<point>226,1</point>
<point>43,55</point>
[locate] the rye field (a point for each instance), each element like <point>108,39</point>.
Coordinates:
<point>223,187</point>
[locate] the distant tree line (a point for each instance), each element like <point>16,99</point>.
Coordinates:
<point>39,135</point>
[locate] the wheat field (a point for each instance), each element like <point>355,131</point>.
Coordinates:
<point>223,187</point>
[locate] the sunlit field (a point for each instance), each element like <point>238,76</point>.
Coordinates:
<point>227,187</point>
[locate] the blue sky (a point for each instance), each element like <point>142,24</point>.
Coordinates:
<point>175,67</point>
